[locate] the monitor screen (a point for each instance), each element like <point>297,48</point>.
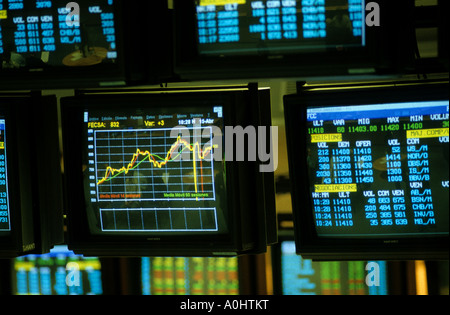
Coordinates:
<point>148,173</point>
<point>379,170</point>
<point>276,27</point>
<point>189,276</point>
<point>369,170</point>
<point>47,34</point>
<point>154,171</point>
<point>5,222</point>
<point>301,276</point>
<point>59,273</point>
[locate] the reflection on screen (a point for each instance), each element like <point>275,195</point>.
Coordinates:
<point>380,170</point>
<point>304,277</point>
<point>190,276</point>
<point>45,34</point>
<point>153,171</point>
<point>59,273</point>
<point>5,225</point>
<point>235,27</point>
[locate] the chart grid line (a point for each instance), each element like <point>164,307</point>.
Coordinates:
<point>139,182</point>
<point>180,220</point>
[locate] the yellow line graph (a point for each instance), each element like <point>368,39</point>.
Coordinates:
<point>197,153</point>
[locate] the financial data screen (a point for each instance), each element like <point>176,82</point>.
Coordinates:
<point>45,34</point>
<point>189,276</point>
<point>5,224</point>
<point>241,27</point>
<point>59,273</point>
<point>380,170</point>
<point>304,277</point>
<point>155,170</point>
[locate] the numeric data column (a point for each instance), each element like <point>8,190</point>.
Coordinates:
<point>110,32</point>
<point>342,166</point>
<point>276,19</point>
<point>356,12</point>
<point>4,199</point>
<point>48,33</point>
<point>259,12</point>
<point>342,175</point>
<point>228,24</point>
<point>34,43</point>
<point>394,162</point>
<point>363,161</point>
<point>322,209</point>
<point>207,25</point>
<point>289,19</point>
<point>273,12</point>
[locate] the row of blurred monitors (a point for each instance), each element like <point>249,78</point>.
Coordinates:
<point>63,273</point>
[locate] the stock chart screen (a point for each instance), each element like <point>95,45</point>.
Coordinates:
<point>5,225</point>
<point>47,34</point>
<point>248,27</point>
<point>155,170</point>
<point>379,170</point>
<point>189,276</point>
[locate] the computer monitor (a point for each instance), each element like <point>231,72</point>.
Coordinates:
<point>369,171</point>
<point>147,174</point>
<point>60,272</point>
<point>31,207</point>
<point>294,275</point>
<point>190,276</point>
<point>53,44</point>
<point>274,38</point>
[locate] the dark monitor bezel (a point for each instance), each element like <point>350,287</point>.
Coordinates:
<point>34,174</point>
<point>309,245</point>
<point>21,237</point>
<point>239,109</point>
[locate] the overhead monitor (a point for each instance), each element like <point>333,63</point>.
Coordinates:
<point>75,44</point>
<point>298,276</point>
<point>60,272</point>
<point>270,27</point>
<point>31,214</point>
<point>370,171</point>
<point>190,276</point>
<point>295,38</point>
<point>146,173</point>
